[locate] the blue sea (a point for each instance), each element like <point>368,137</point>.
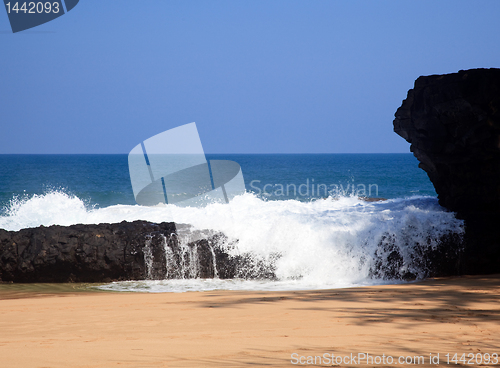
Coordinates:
<point>311,209</point>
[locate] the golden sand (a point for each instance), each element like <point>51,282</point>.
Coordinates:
<point>66,326</point>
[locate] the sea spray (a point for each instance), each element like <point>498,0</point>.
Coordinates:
<point>53,208</point>
<point>170,263</point>
<point>148,257</point>
<point>298,245</point>
<point>214,260</point>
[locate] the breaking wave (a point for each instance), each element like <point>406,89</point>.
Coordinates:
<point>325,243</point>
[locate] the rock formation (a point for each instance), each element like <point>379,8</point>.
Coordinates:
<point>453,124</point>
<point>146,251</point>
<point>136,250</point>
<point>106,252</point>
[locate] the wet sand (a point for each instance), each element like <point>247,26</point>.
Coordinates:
<point>68,326</point>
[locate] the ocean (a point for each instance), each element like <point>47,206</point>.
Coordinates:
<point>309,209</point>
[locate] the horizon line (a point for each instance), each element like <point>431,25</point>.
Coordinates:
<point>233,153</point>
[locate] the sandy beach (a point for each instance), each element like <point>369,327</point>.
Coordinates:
<point>47,327</point>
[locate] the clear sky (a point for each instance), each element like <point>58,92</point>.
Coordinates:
<point>256,76</point>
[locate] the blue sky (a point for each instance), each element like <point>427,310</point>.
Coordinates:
<point>256,76</point>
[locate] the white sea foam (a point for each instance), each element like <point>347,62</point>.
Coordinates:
<point>321,244</point>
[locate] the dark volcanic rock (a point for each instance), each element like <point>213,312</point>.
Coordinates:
<point>418,261</point>
<point>105,252</point>
<point>453,124</point>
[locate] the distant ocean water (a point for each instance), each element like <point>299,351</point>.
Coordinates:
<point>304,207</point>
<point>103,180</point>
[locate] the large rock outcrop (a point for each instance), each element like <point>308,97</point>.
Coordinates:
<point>453,124</point>
<point>106,252</point>
<point>142,250</point>
<point>137,250</point>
